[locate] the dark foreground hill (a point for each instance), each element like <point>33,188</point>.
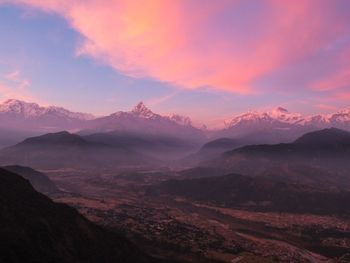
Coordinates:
<point>327,143</point>
<point>38,180</point>
<point>35,229</point>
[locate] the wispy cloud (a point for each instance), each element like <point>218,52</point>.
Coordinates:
<point>15,77</point>
<point>160,99</point>
<point>14,86</point>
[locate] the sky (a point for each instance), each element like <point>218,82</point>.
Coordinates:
<point>205,59</point>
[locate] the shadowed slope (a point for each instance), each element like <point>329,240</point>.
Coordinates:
<point>39,181</point>
<point>35,229</point>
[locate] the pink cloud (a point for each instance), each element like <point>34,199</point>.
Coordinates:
<point>338,79</point>
<point>345,96</point>
<point>326,107</point>
<point>188,43</point>
<point>14,85</point>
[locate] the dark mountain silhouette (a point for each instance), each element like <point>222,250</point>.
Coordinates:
<point>256,193</point>
<point>162,147</point>
<point>326,150</point>
<point>332,137</point>
<point>324,143</point>
<point>11,136</point>
<point>58,138</point>
<point>39,181</point>
<point>35,229</point>
<point>63,149</point>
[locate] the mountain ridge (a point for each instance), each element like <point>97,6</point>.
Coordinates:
<point>63,149</point>
<point>29,110</point>
<point>254,127</point>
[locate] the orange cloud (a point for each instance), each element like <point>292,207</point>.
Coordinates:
<point>190,44</point>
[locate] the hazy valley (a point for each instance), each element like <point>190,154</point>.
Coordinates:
<point>182,193</point>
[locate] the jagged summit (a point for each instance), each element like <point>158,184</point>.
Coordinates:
<point>278,114</point>
<point>141,110</point>
<point>280,110</point>
<point>21,108</point>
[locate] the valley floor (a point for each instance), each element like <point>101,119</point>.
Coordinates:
<point>168,227</point>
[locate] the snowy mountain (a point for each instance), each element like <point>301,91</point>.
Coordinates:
<point>142,112</point>
<point>21,115</point>
<point>280,125</point>
<point>340,119</point>
<point>26,110</point>
<point>31,119</point>
<point>277,125</point>
<point>278,114</point>
<point>141,120</point>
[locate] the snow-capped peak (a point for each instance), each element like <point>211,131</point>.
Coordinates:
<point>278,114</point>
<point>142,111</point>
<point>337,119</point>
<point>250,116</point>
<point>283,115</point>
<point>280,110</point>
<point>20,108</point>
<point>183,120</point>
<point>29,110</point>
<point>64,112</point>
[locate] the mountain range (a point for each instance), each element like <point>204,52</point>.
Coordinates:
<point>280,125</point>
<point>20,120</point>
<point>24,115</point>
